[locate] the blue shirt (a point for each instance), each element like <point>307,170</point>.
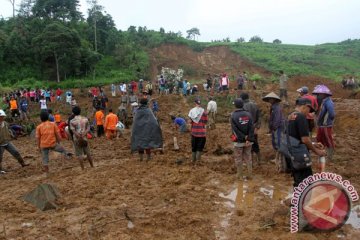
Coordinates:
<point>179,121</point>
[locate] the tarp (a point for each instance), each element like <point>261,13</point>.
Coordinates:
<point>44,197</point>
<point>146,132</point>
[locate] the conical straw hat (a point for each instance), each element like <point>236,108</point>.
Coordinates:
<point>271,95</point>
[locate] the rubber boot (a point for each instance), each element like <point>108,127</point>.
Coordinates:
<point>141,155</point>
<point>198,156</point>
<point>330,153</point>
<point>193,157</point>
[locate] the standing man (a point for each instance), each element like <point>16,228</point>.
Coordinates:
<point>110,125</point>
<point>113,90</point>
<point>5,144</point>
<point>14,107</point>
<point>275,123</point>
<point>254,111</point>
<point>325,119</point>
<point>58,94</point>
<point>304,93</point>
<point>243,132</point>
<point>212,110</point>
<point>198,119</point>
<point>283,86</point>
<point>48,138</point>
<point>24,108</point>
<point>224,82</point>
<point>99,118</point>
<point>298,129</point>
<point>80,127</point>
<point>146,132</point>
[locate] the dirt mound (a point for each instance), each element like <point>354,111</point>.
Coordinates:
<point>212,60</point>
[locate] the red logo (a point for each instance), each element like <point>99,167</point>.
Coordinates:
<point>325,206</point>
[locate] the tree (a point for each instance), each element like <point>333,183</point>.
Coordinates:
<point>64,10</point>
<point>94,12</point>
<point>13,6</point>
<point>192,33</point>
<point>256,39</point>
<point>277,41</point>
<point>26,7</point>
<point>59,44</point>
<point>240,40</point>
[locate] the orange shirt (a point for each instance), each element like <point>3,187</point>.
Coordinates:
<point>46,133</point>
<point>99,117</point>
<point>57,118</point>
<point>13,105</point>
<point>110,121</point>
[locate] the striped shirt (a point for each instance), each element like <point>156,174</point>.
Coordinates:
<point>199,129</point>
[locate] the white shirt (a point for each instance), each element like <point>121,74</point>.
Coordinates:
<point>43,104</point>
<point>212,106</point>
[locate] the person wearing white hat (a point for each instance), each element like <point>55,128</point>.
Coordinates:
<point>275,124</point>
<point>5,144</point>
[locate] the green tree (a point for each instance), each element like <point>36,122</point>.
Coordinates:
<point>256,39</point>
<point>59,44</point>
<point>277,41</point>
<point>240,40</point>
<point>64,10</point>
<point>192,33</point>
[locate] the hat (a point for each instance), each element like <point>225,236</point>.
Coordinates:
<point>197,101</point>
<point>319,89</point>
<point>303,89</point>
<point>134,104</point>
<point>271,95</point>
<point>239,103</point>
<point>305,101</point>
<point>2,113</point>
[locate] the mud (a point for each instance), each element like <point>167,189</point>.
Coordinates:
<point>122,198</point>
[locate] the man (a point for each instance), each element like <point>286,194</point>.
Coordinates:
<point>240,82</point>
<point>224,82</point>
<point>209,82</point>
<point>185,87</point>
<point>58,94</point>
<point>283,86</point>
<point>110,125</point>
<point>122,114</point>
<point>275,124</point>
<point>99,118</point>
<point>298,129</point>
<point>304,93</point>
<point>43,105</point>
<point>24,107</point>
<point>80,127</point>
<point>5,144</point>
<point>146,132</point>
<point>254,111</point>
<point>212,110</point>
<point>149,88</point>
<point>113,90</point>
<point>14,107</point>
<point>132,99</point>
<point>198,119</point>
<point>48,138</point>
<point>325,119</point>
<point>243,132</point>
<point>179,123</point>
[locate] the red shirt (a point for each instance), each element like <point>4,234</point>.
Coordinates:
<point>199,129</point>
<point>58,92</point>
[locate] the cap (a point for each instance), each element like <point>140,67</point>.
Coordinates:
<point>2,113</point>
<point>319,89</point>
<point>197,101</point>
<point>239,103</point>
<point>303,89</point>
<point>305,101</point>
<point>271,95</point>
<point>134,104</point>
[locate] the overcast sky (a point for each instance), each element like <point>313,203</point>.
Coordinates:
<point>292,21</point>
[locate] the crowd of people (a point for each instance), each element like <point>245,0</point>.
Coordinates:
<point>136,101</point>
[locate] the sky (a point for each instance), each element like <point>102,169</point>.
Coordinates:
<point>307,22</point>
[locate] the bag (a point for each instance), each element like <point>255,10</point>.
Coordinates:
<point>294,150</point>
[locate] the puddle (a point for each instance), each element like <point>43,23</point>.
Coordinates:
<point>354,218</point>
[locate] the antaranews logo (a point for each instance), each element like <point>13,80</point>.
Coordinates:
<point>321,202</point>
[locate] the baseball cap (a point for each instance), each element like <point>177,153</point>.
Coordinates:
<point>2,113</point>
<point>303,89</point>
<point>305,101</point>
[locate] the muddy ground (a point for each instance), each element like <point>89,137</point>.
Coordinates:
<point>122,198</point>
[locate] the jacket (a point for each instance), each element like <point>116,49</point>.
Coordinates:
<point>327,113</point>
<point>5,135</point>
<point>242,125</point>
<point>253,109</point>
<point>276,117</point>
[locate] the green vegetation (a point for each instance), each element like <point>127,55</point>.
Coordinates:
<point>332,60</point>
